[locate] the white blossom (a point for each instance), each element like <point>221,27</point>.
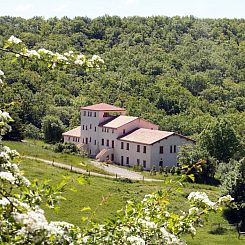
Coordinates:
<point>192,230</point>
<point>45,51</point>
<point>193,210</point>
<point>78,62</point>
<point>136,240</point>
<point>4,201</point>
<point>60,57</point>
<point>32,53</point>
<point>32,220</point>
<point>225,199</point>
<point>1,73</point>
<point>169,238</point>
<point>14,39</point>
<point>7,176</point>
<point>202,198</point>
<point>97,58</point>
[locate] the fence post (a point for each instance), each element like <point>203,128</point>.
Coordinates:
<point>53,163</point>
<point>71,168</point>
<point>143,178</point>
<point>89,173</point>
<point>116,176</point>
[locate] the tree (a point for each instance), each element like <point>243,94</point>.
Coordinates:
<point>233,183</point>
<point>233,180</point>
<point>52,129</point>
<point>196,162</point>
<point>220,140</point>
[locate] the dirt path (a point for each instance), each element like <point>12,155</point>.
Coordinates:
<point>112,169</point>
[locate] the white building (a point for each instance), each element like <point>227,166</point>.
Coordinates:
<point>107,134</point>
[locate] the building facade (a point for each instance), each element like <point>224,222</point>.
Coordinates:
<point>106,133</point>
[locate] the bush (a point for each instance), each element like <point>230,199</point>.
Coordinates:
<point>52,129</point>
<point>138,167</point>
<point>66,147</point>
<point>32,132</point>
<point>153,170</point>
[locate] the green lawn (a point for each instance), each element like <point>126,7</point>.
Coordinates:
<point>37,149</point>
<point>116,193</point>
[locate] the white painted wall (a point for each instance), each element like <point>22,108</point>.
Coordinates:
<point>169,159</point>
<point>88,126</point>
<point>132,154</point>
<point>72,139</point>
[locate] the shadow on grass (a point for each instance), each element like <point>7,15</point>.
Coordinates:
<point>219,230</point>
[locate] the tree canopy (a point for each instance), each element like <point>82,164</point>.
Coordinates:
<point>181,72</point>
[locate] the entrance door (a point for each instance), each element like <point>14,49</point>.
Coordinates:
<point>121,160</point>
<point>161,164</point>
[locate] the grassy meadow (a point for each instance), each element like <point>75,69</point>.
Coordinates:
<point>106,196</point>
<point>37,148</point>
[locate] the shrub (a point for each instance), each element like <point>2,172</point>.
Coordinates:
<point>66,147</point>
<point>32,132</point>
<point>52,129</point>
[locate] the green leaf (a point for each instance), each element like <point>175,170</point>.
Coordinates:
<point>85,209</point>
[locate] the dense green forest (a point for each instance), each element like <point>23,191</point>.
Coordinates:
<point>181,73</point>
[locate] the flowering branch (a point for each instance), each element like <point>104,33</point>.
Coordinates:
<point>53,59</point>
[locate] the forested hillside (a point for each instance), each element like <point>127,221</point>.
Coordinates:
<point>181,73</point>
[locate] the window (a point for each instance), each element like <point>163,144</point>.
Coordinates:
<point>95,142</point>
<point>94,114</point>
<point>83,127</point>
<point>138,148</point>
<point>112,144</point>
<point>171,149</point>
<point>122,145</point>
<point>83,140</point>
<point>127,160</point>
<point>127,146</point>
<point>90,152</point>
<point>102,141</point>
<point>144,149</point>
<point>124,131</point>
<point>112,131</point>
<point>90,126</point>
<point>144,163</point>
<point>138,162</point>
<point>174,148</point>
<point>107,143</point>
<point>107,130</point>
<point>86,127</point>
<point>161,150</point>
<point>89,139</point>
<point>84,113</point>
<point>112,157</point>
<point>94,129</point>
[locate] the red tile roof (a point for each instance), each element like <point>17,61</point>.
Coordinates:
<point>75,132</point>
<point>119,121</point>
<point>149,136</point>
<point>102,107</point>
<point>146,136</point>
